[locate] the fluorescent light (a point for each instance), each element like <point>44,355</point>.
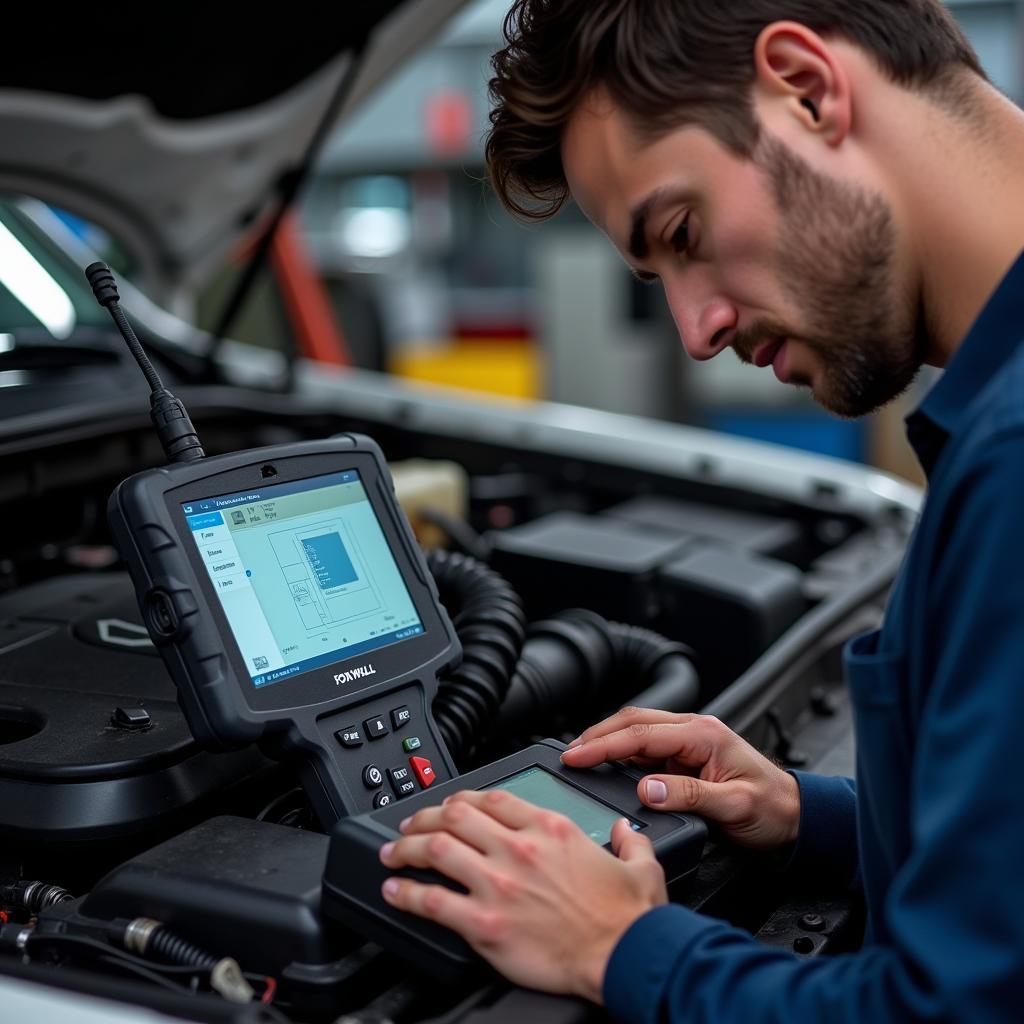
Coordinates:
<point>28,281</point>
<point>377,232</point>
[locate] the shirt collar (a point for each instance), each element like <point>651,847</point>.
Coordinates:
<point>989,343</point>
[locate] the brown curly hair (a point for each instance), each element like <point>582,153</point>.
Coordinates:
<point>674,62</point>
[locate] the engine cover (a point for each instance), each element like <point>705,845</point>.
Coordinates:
<point>92,742</point>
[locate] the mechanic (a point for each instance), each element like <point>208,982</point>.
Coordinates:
<point>835,189</point>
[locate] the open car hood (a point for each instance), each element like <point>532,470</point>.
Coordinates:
<point>174,135</point>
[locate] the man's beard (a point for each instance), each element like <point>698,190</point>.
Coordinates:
<point>835,260</point>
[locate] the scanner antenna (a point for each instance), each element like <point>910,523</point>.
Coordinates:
<point>178,437</point>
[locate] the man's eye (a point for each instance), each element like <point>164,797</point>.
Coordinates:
<point>681,236</point>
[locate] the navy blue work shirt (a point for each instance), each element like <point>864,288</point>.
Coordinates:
<point>935,826</point>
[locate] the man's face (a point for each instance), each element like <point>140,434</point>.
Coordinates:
<point>784,264</point>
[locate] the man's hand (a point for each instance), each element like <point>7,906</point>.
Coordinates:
<point>546,905</point>
<point>698,765</point>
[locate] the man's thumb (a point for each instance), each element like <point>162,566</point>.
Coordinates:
<point>680,793</point>
<point>628,844</point>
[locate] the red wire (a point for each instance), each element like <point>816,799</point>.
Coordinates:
<point>268,992</point>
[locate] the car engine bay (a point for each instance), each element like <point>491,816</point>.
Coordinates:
<point>616,584</point>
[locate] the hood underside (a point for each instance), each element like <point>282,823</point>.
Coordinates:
<point>174,135</point>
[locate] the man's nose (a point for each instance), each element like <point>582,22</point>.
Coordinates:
<point>706,325</point>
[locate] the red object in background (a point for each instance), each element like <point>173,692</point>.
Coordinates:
<point>307,304</point>
<point>516,331</point>
<point>449,118</point>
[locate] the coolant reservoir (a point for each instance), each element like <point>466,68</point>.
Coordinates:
<point>430,489</point>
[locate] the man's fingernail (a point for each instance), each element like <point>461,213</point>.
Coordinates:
<point>404,823</point>
<point>386,850</point>
<point>576,742</point>
<point>657,791</point>
<point>390,887</point>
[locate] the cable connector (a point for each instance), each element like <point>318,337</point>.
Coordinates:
<point>178,437</point>
<point>227,979</point>
<point>174,428</point>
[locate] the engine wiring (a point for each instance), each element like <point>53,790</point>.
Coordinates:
<point>167,976</point>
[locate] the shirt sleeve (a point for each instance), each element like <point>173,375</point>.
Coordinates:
<point>954,914</point>
<point>826,845</point>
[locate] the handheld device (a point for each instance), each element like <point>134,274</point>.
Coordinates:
<point>594,798</point>
<point>290,602</point>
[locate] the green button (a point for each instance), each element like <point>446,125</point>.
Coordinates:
<point>410,744</point>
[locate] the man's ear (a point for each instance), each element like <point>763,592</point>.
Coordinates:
<point>795,66</point>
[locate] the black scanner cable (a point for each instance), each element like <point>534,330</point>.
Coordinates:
<point>178,437</point>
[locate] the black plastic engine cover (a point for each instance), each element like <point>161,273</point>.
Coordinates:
<point>567,560</point>
<point>92,742</point>
<point>251,890</point>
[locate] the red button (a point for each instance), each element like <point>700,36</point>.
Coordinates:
<point>424,771</point>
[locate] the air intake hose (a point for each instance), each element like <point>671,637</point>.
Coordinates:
<point>667,668</point>
<point>576,663</point>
